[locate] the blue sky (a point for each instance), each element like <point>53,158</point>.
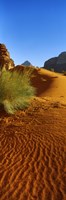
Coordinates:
<point>33,30</point>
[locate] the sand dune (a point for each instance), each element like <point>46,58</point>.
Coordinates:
<point>33,144</point>
<point>50,84</point>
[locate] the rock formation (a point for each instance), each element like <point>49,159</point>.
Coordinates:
<point>27,63</point>
<point>57,64</point>
<point>62,58</point>
<point>5,60</point>
<point>51,63</point>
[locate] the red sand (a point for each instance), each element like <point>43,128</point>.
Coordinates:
<point>33,144</point>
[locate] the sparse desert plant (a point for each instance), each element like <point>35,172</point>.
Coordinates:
<point>15,90</point>
<point>52,69</point>
<point>64,73</point>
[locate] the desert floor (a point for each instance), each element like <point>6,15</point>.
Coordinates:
<point>33,144</point>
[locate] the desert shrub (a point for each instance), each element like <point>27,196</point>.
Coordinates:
<point>64,73</point>
<point>15,90</point>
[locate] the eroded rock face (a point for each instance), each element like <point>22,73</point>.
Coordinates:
<point>58,64</point>
<point>5,60</point>
<point>51,63</point>
<point>62,58</point>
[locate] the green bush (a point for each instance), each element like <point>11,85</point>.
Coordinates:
<point>15,90</point>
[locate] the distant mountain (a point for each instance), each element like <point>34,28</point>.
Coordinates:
<point>26,63</point>
<point>57,64</point>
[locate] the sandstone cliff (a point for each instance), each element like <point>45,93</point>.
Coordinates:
<point>5,60</point>
<point>57,64</point>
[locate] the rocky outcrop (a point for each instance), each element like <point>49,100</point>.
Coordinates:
<point>51,63</point>
<point>62,58</point>
<point>57,64</point>
<point>5,60</point>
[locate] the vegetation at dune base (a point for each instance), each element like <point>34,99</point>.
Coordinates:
<point>15,90</point>
<point>64,73</point>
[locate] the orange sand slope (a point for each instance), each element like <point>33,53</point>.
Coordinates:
<point>50,84</point>
<point>33,144</point>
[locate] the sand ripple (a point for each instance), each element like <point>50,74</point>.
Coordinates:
<point>33,159</point>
